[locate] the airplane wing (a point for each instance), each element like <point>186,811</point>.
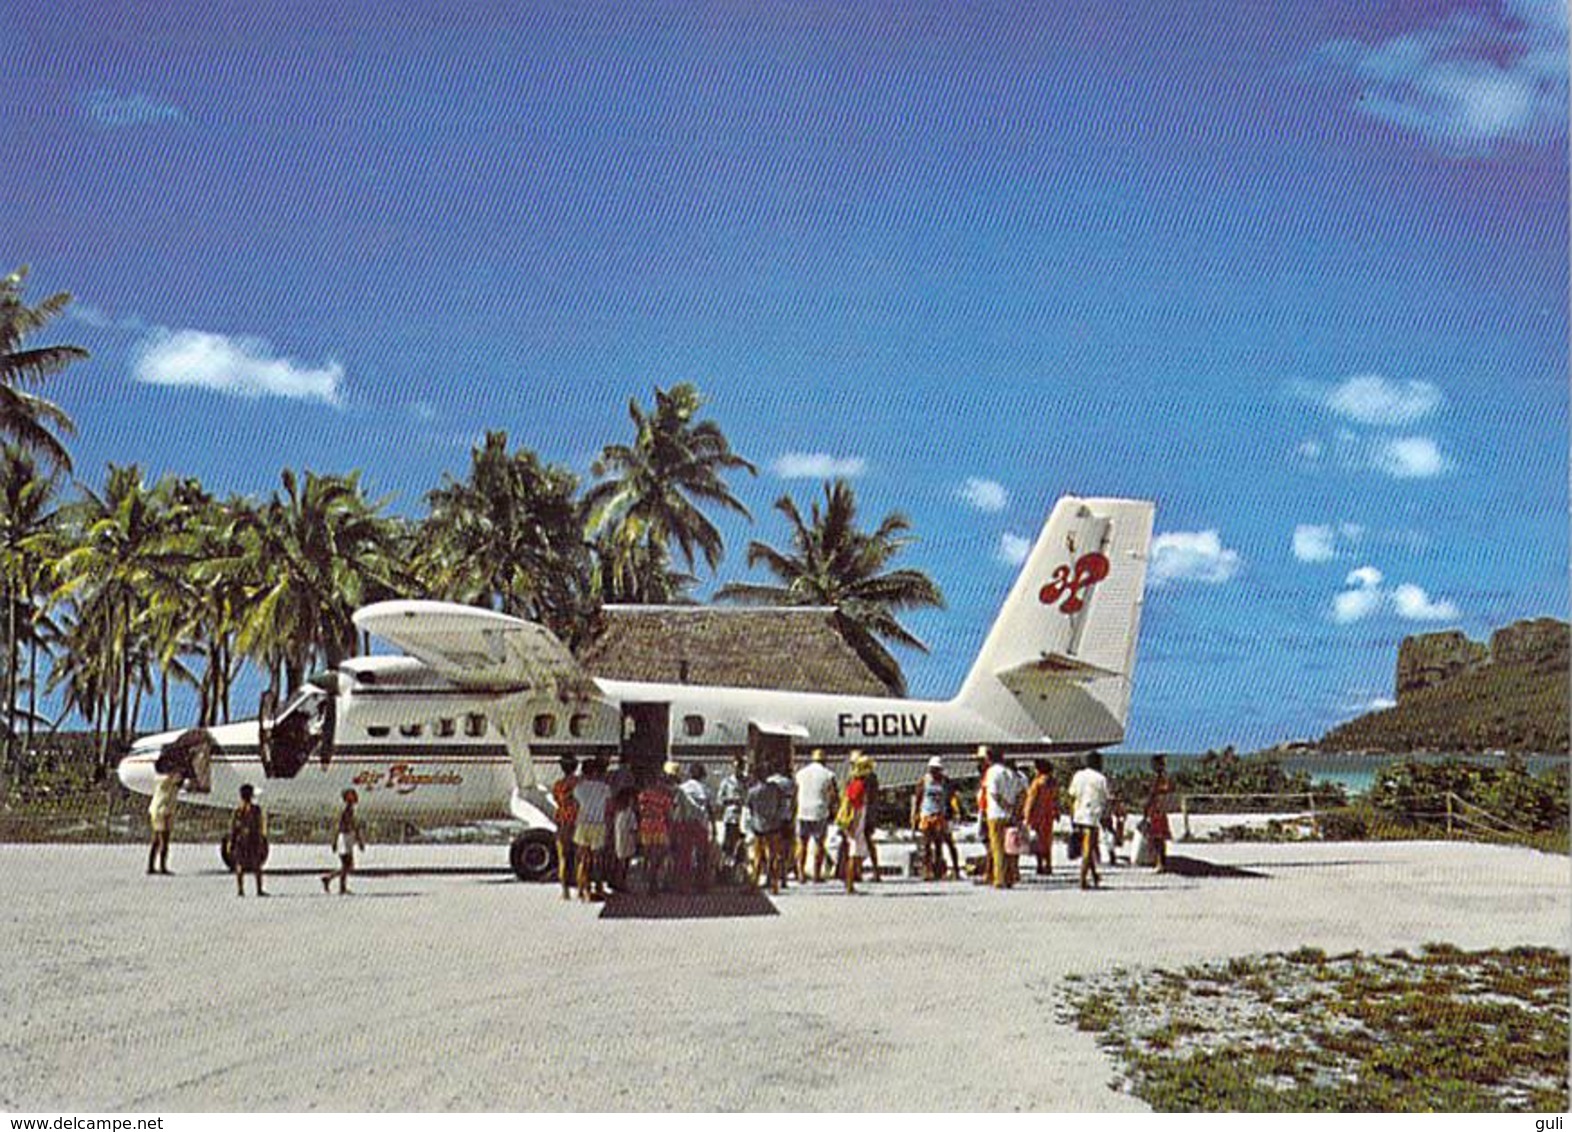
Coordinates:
<point>477,648</point>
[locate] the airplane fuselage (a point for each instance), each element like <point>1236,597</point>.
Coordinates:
<point>414,747</point>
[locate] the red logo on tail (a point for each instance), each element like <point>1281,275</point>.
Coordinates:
<point>1089,570</point>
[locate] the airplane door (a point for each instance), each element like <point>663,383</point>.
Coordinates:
<point>646,738</point>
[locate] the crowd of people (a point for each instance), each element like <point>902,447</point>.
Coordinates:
<point>764,826</point>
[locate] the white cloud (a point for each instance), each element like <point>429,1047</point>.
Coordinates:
<point>818,466</point>
<point>100,319</point>
<point>1366,577</point>
<point>1373,400</point>
<point>985,495</point>
<point>1013,548</point>
<point>1401,457</point>
<point>111,109</point>
<point>238,366</point>
<point>423,411</point>
<point>1322,542</point>
<point>1313,543</point>
<point>1192,556</point>
<point>1409,457</point>
<point>1355,605</point>
<point>1310,449</point>
<point>1365,596</point>
<point>1467,80</point>
<point>1413,604</point>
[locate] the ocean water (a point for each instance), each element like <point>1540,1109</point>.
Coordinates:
<point>1356,774</point>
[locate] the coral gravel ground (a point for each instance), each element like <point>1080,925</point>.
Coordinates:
<point>1437,1030</point>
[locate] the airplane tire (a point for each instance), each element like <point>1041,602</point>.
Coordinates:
<point>534,855</point>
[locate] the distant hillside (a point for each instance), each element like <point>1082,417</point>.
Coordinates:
<point>1454,694</point>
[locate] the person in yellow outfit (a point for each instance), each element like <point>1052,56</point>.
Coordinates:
<point>1003,789</point>
<point>161,818</point>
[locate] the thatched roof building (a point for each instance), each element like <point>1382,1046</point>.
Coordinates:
<point>795,648</point>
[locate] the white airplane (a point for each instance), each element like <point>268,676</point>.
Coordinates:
<point>459,728</point>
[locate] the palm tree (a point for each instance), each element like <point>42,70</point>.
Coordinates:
<point>27,515</point>
<point>650,497</point>
<point>218,541</point>
<point>115,556</point>
<point>510,537</point>
<point>24,416</point>
<point>833,563</point>
<point>316,555</point>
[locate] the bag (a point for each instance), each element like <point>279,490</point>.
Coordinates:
<point>1074,847</point>
<point>1142,849</point>
<point>1012,841</point>
<point>846,814</point>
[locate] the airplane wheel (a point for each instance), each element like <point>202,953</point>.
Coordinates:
<point>534,855</point>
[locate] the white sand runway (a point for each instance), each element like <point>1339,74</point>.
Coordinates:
<point>472,992</point>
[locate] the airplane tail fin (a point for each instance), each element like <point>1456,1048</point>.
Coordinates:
<point>1059,659</point>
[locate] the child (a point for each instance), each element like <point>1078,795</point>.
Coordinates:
<point>344,844</point>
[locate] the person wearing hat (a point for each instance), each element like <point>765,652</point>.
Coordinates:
<point>345,840</point>
<point>818,797</point>
<point>859,797</point>
<point>248,840</point>
<point>985,862</point>
<point>932,805</point>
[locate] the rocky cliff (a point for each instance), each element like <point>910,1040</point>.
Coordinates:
<point>1454,694</point>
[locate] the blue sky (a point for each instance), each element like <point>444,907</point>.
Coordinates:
<point>1298,272</point>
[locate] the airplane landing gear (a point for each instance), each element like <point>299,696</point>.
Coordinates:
<point>534,855</point>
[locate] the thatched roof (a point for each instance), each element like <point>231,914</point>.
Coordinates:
<point>795,648</point>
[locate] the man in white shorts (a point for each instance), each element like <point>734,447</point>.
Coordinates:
<point>817,799</point>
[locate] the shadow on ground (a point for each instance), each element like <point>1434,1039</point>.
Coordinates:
<point>1193,867</point>
<point>688,906</point>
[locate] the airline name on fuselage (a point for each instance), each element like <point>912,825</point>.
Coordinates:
<point>882,724</point>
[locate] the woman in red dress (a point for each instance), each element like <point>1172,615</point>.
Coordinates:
<point>1159,800</point>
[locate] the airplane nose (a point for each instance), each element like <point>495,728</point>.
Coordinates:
<point>136,772</point>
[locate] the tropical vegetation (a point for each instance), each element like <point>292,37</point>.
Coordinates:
<point>28,419</point>
<point>649,496</point>
<point>116,594</point>
<point>1437,1030</point>
<point>832,562</point>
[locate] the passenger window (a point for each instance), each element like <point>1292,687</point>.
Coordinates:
<point>411,730</point>
<point>446,728</point>
<point>475,724</point>
<point>693,726</point>
<point>578,724</point>
<point>545,725</point>
<point>378,732</point>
